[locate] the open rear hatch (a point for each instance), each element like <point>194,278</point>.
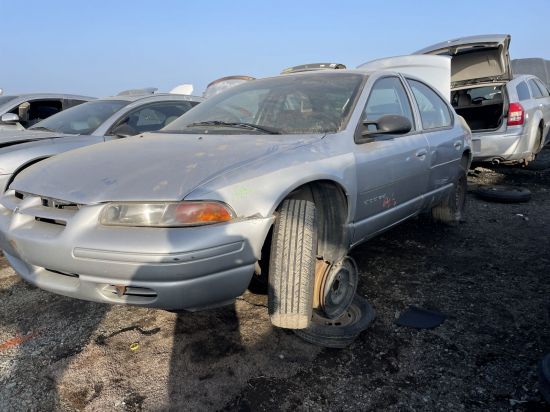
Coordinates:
<point>476,59</point>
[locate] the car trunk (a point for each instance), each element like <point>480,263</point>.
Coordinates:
<point>480,68</point>
<point>483,107</point>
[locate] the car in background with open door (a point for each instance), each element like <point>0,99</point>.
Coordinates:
<point>18,112</point>
<point>101,120</point>
<point>509,115</point>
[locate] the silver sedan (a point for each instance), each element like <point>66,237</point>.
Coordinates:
<point>275,178</point>
<point>90,123</point>
<point>18,112</point>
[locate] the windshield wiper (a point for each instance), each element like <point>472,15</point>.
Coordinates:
<point>240,125</point>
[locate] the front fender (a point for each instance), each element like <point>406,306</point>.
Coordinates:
<point>262,186</point>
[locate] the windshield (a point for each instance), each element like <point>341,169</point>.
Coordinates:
<point>82,119</point>
<point>291,104</point>
<point>5,99</point>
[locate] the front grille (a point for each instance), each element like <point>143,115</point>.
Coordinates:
<point>58,204</point>
<point>44,209</point>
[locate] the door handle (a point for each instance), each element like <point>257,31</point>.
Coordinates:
<point>457,145</point>
<point>422,153</point>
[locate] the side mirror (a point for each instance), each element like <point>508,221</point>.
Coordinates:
<point>389,124</point>
<point>9,118</point>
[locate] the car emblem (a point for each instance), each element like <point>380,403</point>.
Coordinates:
<point>16,210</point>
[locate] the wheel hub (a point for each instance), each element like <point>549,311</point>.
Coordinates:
<point>335,286</point>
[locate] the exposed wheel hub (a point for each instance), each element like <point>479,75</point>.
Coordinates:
<point>335,286</point>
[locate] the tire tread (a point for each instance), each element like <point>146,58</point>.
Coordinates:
<point>292,266</point>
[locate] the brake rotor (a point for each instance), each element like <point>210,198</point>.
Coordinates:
<point>335,286</point>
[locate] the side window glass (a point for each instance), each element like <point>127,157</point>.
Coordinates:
<point>523,91</point>
<point>535,89</point>
<point>153,117</point>
<point>434,112</point>
<point>542,88</point>
<point>34,111</point>
<point>387,96</point>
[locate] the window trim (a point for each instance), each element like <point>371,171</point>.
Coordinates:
<point>452,113</point>
<point>359,139</point>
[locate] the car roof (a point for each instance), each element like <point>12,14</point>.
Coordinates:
<point>50,95</point>
<point>155,96</point>
<point>338,72</point>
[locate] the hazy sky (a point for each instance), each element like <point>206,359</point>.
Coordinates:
<point>101,47</point>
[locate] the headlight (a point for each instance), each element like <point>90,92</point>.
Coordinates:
<point>165,214</point>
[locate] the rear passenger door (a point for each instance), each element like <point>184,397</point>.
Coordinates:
<point>392,170</point>
<point>437,125</point>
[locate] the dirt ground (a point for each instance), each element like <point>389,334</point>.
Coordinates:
<point>490,276</point>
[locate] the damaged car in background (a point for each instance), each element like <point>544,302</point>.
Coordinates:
<point>273,181</point>
<point>509,115</point>
<point>18,112</point>
<point>128,114</point>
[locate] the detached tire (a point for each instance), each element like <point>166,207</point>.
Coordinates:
<point>292,265</point>
<point>340,332</point>
<point>452,209</point>
<point>503,194</point>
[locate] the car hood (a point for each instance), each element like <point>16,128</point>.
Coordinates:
<point>11,137</point>
<point>476,59</point>
<point>151,167</point>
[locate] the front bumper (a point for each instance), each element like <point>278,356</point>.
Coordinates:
<point>511,145</point>
<point>68,252</point>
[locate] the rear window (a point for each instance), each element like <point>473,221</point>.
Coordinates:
<point>523,91</point>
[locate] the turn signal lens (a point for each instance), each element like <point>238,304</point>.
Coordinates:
<point>516,114</point>
<point>165,214</point>
<point>201,212</point>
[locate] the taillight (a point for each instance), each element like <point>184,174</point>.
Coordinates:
<point>516,115</point>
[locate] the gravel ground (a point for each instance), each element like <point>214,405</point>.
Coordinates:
<point>490,276</point>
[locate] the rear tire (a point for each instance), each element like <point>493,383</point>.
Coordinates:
<point>451,210</point>
<point>292,265</point>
